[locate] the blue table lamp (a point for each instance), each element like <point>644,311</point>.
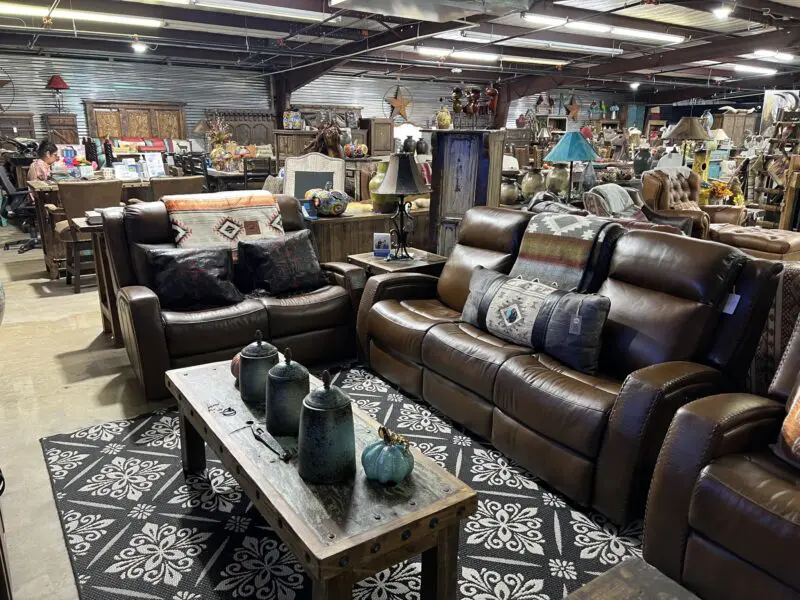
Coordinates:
<point>571,147</point>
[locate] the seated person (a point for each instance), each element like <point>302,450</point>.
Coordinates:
<point>39,170</point>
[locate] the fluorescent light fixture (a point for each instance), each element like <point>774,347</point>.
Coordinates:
<point>754,70</point>
<point>722,12</point>
<point>468,55</point>
<point>26,10</point>
<point>774,55</point>
<point>533,60</point>
<point>635,85</point>
<point>436,52</point>
<point>263,10</point>
<point>784,56</point>
<point>455,70</point>
<point>563,46</point>
<point>588,26</point>
<point>139,47</point>
<point>642,34</point>
<point>544,20</point>
<point>176,1</point>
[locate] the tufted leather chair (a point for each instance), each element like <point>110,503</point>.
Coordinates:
<point>667,191</point>
<point>722,513</point>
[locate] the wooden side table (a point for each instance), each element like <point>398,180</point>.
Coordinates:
<point>105,286</point>
<point>632,580</point>
<point>427,263</point>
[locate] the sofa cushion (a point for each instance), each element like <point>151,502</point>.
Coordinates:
<point>566,325</point>
<point>200,220</point>
<point>467,355</point>
<point>329,306</point>
<point>748,504</point>
<point>203,331</point>
<point>281,265</point>
<point>453,286</point>
<point>560,403</point>
<point>399,326</point>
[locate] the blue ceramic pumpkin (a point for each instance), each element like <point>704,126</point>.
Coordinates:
<point>329,202</point>
<point>388,460</point>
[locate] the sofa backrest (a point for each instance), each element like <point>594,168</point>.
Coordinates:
<point>667,293</point>
<point>661,188</point>
<point>148,223</point>
<point>489,237</point>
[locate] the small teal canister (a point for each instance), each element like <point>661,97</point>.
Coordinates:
<point>326,447</point>
<point>287,386</point>
<point>254,364</point>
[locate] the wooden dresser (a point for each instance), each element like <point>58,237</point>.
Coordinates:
<point>290,142</point>
<point>380,135</point>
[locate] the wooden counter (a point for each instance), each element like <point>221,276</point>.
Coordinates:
<point>339,237</point>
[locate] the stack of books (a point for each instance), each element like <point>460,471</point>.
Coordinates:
<point>93,217</point>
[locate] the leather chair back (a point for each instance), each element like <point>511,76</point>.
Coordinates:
<point>667,293</point>
<point>79,196</point>
<point>148,223</point>
<point>489,237</point>
<point>661,189</point>
<point>170,186</point>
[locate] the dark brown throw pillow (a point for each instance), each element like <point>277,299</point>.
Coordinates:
<point>281,265</point>
<point>192,278</point>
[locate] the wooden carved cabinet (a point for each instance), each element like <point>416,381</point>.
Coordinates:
<point>248,126</point>
<point>380,135</point>
<point>62,128</point>
<point>135,119</point>
<point>291,143</point>
<point>466,171</point>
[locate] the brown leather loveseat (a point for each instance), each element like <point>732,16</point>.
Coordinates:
<point>722,515</point>
<point>318,326</point>
<point>595,438</point>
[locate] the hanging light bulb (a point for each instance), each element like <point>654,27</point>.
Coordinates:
<point>138,47</point>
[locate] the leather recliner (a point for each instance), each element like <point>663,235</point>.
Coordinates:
<point>662,189</point>
<point>318,326</point>
<point>593,437</point>
<point>722,514</point>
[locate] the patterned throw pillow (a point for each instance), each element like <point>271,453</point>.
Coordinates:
<point>200,220</point>
<point>192,278</point>
<point>687,205</point>
<point>281,265</point>
<point>565,325</point>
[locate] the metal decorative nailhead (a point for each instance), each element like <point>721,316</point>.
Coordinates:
<point>375,548</point>
<point>344,561</point>
<point>406,534</point>
<point>377,517</point>
<point>434,522</point>
<point>331,536</point>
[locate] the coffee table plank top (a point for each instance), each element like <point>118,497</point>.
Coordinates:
<point>632,579</point>
<point>329,527</point>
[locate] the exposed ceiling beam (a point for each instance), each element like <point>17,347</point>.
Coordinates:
<point>496,49</point>
<point>775,8</point>
<point>527,86</point>
<point>761,11</point>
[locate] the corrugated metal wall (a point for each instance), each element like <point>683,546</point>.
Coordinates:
<point>519,107</point>
<point>199,88</point>
<point>368,92</point>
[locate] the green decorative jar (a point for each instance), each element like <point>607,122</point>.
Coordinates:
<point>381,203</point>
<point>389,460</point>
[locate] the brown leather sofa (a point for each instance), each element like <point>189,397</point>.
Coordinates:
<point>661,192</point>
<point>722,514</point>
<point>595,438</point>
<point>318,326</point>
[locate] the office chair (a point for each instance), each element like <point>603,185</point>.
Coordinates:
<point>15,205</point>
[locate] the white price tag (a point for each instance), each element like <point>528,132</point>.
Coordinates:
<point>575,325</point>
<point>731,303</point>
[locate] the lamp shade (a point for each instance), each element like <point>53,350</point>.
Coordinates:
<point>719,135</point>
<point>201,127</point>
<point>688,128</point>
<point>57,83</point>
<point>544,135</point>
<point>573,146</point>
<point>402,177</point>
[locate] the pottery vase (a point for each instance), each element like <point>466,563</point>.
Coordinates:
<point>409,145</point>
<point>509,191</point>
<point>381,203</point>
<point>558,180</point>
<point>642,161</point>
<point>532,183</point>
<point>521,121</point>
<point>422,146</point>
<point>443,119</point>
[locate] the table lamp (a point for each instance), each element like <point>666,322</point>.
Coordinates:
<point>57,84</point>
<point>402,179</point>
<point>573,146</point>
<point>688,128</point>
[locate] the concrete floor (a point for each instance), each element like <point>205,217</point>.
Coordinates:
<point>58,373</point>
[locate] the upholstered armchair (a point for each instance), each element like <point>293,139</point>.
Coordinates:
<point>722,514</point>
<point>676,191</point>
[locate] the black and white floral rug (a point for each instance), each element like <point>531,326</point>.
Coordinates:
<point>135,527</point>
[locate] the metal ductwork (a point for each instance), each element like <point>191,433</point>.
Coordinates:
<point>439,11</point>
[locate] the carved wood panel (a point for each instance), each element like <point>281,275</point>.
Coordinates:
<point>108,124</point>
<point>137,123</point>
<point>248,127</point>
<point>62,128</point>
<point>169,123</point>
<point>135,119</point>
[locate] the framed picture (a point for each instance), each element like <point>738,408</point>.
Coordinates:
<point>381,244</point>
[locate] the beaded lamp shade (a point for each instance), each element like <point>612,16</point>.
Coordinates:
<point>573,146</point>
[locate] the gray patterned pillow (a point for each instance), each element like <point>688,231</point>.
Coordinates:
<point>565,325</point>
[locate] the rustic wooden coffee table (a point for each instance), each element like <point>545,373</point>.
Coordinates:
<point>632,579</point>
<point>339,533</point>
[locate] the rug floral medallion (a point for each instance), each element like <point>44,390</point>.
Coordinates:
<point>136,527</point>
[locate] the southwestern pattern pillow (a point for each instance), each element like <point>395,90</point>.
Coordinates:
<point>281,265</point>
<point>565,325</point>
<point>200,220</point>
<point>788,446</point>
<point>192,278</point>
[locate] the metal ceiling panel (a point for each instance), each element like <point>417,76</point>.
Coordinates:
<point>438,11</point>
<point>685,17</point>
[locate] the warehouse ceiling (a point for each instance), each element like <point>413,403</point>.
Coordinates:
<point>670,48</point>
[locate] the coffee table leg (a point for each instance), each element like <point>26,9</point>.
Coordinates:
<point>193,447</point>
<point>439,567</point>
<point>336,588</point>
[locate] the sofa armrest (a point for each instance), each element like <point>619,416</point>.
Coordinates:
<point>350,277</point>
<point>144,337</point>
<point>722,213</point>
<point>700,432</point>
<point>391,286</point>
<point>642,412</point>
<point>700,220</point>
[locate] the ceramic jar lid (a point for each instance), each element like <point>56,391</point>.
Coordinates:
<point>327,397</point>
<point>259,348</point>
<point>288,370</point>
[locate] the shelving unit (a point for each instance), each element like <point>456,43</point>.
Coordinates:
<point>778,189</point>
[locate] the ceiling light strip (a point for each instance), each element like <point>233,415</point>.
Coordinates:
<point>26,10</point>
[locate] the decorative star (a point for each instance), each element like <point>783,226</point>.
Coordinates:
<point>572,109</point>
<point>399,104</point>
